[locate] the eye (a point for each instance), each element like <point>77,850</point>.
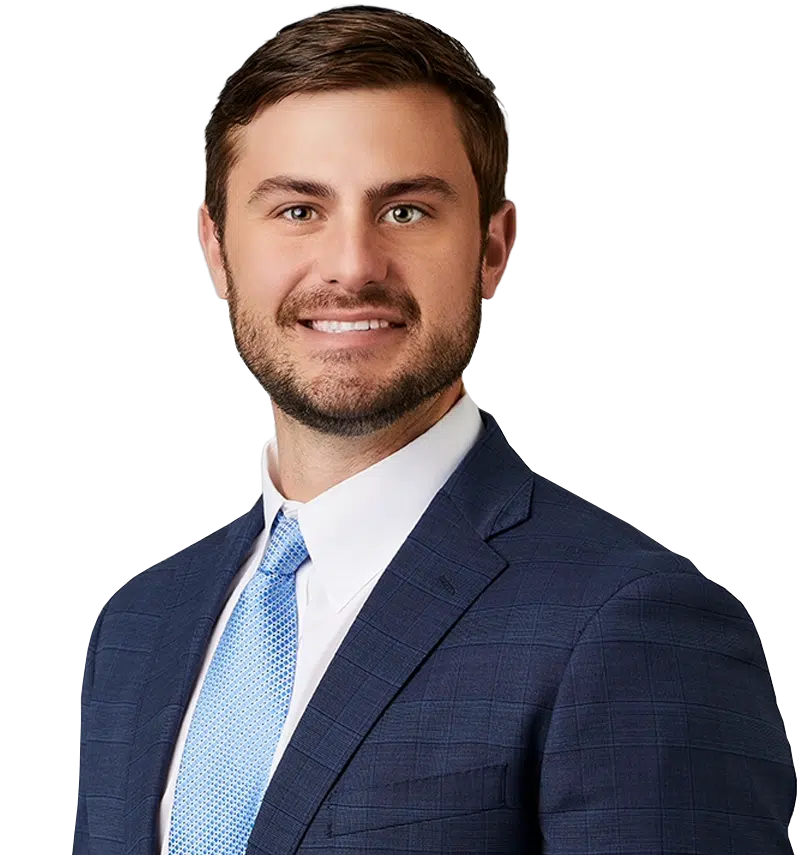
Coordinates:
<point>297,213</point>
<point>404,221</point>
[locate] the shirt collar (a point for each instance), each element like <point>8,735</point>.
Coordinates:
<point>353,529</point>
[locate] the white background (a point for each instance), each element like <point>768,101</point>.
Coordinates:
<point>641,350</point>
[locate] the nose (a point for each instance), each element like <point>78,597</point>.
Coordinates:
<point>352,253</point>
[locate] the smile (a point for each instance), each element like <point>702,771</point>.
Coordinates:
<point>340,334</point>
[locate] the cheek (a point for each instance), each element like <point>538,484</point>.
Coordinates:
<point>260,251</point>
<point>262,268</point>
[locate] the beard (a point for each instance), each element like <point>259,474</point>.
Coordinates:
<point>353,403</point>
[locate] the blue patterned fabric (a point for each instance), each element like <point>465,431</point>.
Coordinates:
<point>242,708</point>
<point>530,674</point>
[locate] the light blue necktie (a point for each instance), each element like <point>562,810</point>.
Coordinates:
<point>242,708</point>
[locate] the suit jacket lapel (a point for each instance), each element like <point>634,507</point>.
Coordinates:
<point>190,598</point>
<point>439,571</point>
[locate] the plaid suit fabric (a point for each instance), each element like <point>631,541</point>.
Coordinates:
<point>530,674</point>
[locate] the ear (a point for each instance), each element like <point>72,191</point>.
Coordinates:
<point>212,249</point>
<point>500,238</point>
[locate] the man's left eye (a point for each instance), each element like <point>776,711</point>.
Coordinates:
<point>406,208</point>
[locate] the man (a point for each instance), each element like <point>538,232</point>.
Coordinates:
<point>411,642</point>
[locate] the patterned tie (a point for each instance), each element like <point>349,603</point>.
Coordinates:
<point>224,770</point>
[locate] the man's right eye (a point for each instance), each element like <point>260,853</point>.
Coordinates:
<point>297,213</point>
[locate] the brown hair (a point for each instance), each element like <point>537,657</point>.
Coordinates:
<point>355,47</point>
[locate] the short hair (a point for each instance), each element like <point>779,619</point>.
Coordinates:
<point>356,47</point>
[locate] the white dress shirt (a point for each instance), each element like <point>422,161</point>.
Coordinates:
<point>352,532</point>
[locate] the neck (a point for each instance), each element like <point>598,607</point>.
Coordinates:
<point>309,463</point>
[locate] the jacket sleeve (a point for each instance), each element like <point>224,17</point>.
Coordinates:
<point>81,842</point>
<point>665,735</point>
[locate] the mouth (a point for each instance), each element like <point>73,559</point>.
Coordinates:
<point>308,325</point>
<point>367,333</point>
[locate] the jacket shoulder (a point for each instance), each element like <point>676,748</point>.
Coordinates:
<point>565,526</point>
<point>148,586</point>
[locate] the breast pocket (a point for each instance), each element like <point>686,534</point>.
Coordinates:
<point>418,799</point>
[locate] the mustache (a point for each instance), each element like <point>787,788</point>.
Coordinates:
<point>368,297</point>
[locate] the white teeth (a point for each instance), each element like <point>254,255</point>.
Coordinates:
<point>347,326</point>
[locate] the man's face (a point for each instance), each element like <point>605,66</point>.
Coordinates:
<point>355,204</point>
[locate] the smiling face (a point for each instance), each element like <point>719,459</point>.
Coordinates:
<point>355,205</point>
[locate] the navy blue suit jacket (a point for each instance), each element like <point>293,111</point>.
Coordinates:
<point>530,674</point>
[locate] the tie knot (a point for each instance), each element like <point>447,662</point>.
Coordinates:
<point>286,549</point>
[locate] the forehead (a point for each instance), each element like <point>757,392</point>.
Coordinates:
<point>354,135</point>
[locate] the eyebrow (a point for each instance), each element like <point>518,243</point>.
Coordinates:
<point>430,184</point>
